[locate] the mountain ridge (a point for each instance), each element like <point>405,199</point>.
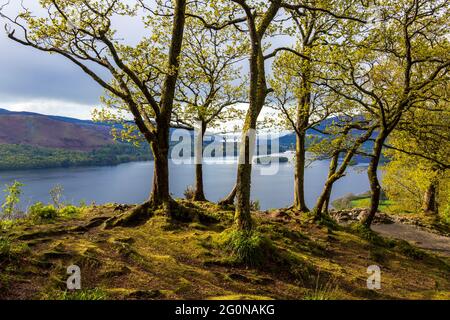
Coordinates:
<point>38,130</point>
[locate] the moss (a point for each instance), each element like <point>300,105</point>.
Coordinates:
<point>196,260</point>
<point>377,254</point>
<point>12,250</point>
<point>405,248</point>
<point>371,236</point>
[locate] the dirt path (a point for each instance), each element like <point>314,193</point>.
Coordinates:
<point>418,237</point>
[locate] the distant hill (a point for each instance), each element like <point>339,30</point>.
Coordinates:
<point>33,141</point>
<point>30,140</point>
<point>52,132</point>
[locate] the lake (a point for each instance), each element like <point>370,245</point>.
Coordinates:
<point>130,182</point>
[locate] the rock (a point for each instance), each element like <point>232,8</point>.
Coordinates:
<point>362,215</point>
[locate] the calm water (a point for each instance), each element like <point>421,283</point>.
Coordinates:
<point>130,183</point>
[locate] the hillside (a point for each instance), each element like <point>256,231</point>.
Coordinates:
<point>165,259</point>
<point>35,141</point>
<point>52,132</point>
<point>31,140</point>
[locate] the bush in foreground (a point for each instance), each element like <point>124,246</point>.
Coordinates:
<point>247,247</point>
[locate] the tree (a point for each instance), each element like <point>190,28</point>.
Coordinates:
<point>416,177</point>
<point>254,19</point>
<point>303,104</point>
<point>257,20</point>
<point>141,78</point>
<point>209,85</point>
<point>345,139</point>
<point>12,199</point>
<point>392,65</point>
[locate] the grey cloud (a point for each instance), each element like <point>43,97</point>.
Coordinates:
<point>26,73</point>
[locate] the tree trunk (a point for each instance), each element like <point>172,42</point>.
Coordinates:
<point>160,144</point>
<point>299,177</point>
<point>430,205</point>
<point>375,187</point>
<point>326,205</point>
<point>160,193</point>
<point>242,216</point>
<point>324,198</point>
<point>318,209</point>
<point>199,194</point>
<point>257,96</point>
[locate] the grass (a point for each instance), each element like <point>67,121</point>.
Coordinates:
<point>208,259</point>
<point>248,248</point>
<point>93,294</point>
<point>365,203</point>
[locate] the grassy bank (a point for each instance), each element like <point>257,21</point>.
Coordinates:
<point>285,258</point>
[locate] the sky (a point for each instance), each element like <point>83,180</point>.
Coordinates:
<point>36,81</point>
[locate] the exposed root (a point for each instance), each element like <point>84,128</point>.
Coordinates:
<point>131,218</point>
<point>142,213</point>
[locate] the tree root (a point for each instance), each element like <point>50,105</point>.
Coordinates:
<point>142,213</point>
<point>134,217</point>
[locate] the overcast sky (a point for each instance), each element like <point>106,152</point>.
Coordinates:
<point>31,80</point>
<point>35,81</point>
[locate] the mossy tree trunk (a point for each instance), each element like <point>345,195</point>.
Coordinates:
<point>333,176</point>
<point>375,187</point>
<point>199,194</point>
<point>337,171</point>
<point>430,204</point>
<point>160,192</point>
<point>332,170</point>
<point>301,126</point>
<point>257,96</point>
<point>299,176</point>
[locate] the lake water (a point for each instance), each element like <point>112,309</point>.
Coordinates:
<point>130,182</point>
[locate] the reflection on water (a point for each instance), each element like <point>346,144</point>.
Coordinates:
<point>130,182</point>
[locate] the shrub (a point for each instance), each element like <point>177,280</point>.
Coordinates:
<point>69,211</point>
<point>247,247</point>
<point>189,193</point>
<point>41,212</point>
<point>13,193</point>
<point>6,224</point>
